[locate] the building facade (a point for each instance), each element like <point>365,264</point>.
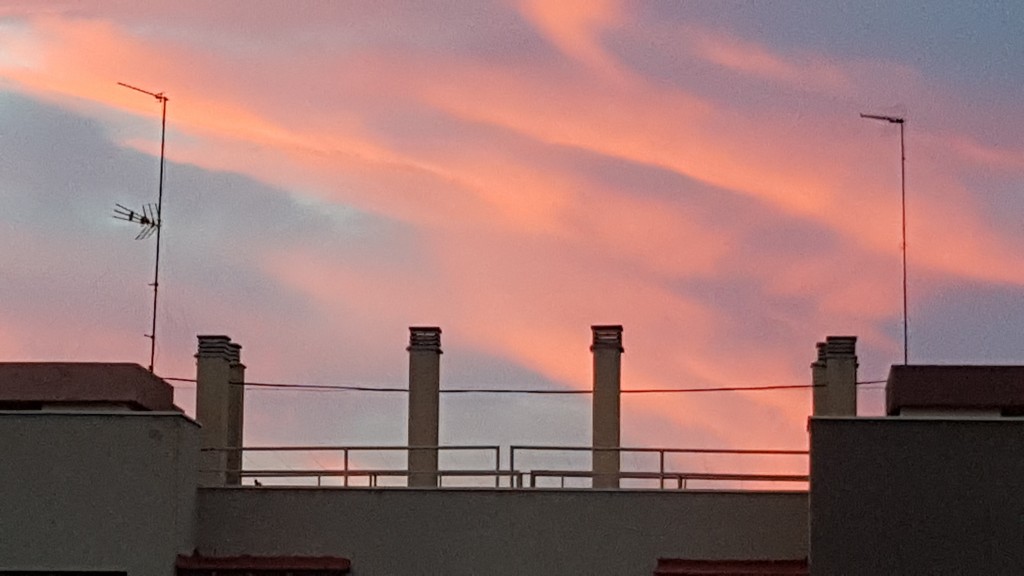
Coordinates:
<point>103,475</point>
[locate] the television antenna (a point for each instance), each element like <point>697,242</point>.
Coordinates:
<point>899,120</point>
<point>146,218</point>
<point>150,217</point>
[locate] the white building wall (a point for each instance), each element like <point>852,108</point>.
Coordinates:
<point>501,532</point>
<point>97,490</point>
<point>116,491</point>
<point>917,496</point>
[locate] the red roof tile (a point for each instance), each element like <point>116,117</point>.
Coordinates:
<point>331,564</point>
<point>679,567</point>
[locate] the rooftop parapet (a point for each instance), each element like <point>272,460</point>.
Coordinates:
<point>83,383</point>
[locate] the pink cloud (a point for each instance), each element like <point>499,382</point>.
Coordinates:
<point>755,60</point>
<point>575,27</point>
<point>519,247</point>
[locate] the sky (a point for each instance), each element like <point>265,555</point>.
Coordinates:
<point>515,172</point>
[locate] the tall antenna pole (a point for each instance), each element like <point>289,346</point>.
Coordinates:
<point>158,217</point>
<point>903,208</point>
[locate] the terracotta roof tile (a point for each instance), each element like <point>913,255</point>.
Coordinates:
<point>257,564</point>
<point>680,567</point>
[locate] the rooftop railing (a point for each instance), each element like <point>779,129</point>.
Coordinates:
<point>372,476</point>
<point>665,475</point>
<point>528,467</point>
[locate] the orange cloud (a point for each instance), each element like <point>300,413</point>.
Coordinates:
<point>518,246</point>
<point>752,59</point>
<point>983,155</point>
<point>725,150</point>
<point>639,123</point>
<point>575,27</point>
<point>533,307</point>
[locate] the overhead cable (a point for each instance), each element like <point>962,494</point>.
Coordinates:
<point>357,388</point>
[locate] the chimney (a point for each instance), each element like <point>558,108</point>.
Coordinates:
<point>424,388</point>
<point>607,350</point>
<point>834,375</point>
<point>236,413</point>
<point>820,392</point>
<point>213,398</point>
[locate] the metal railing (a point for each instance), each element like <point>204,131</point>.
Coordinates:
<point>662,474</point>
<point>681,478</point>
<point>667,477</point>
<point>372,475</point>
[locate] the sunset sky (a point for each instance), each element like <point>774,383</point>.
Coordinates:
<point>515,172</point>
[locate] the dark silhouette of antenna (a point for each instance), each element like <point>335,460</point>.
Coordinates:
<point>151,217</point>
<point>903,206</point>
<point>147,219</point>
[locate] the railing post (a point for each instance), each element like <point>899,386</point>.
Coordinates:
<point>515,479</point>
<point>497,466</point>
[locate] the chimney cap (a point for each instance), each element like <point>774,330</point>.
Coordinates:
<point>607,336</point>
<point>841,347</point>
<point>215,346</point>
<point>424,338</point>
<point>235,356</point>
<point>820,348</point>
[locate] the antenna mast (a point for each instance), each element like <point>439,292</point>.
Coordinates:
<point>903,207</point>
<point>150,220</point>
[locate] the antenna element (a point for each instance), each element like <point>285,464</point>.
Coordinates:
<point>150,218</point>
<point>903,207</point>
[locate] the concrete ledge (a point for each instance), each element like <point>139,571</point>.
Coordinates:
<point>104,383</point>
<point>501,531</point>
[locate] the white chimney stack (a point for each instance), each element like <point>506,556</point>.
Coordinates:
<point>607,350</point>
<point>220,402</point>
<point>834,375</point>
<point>236,413</point>
<point>424,404</point>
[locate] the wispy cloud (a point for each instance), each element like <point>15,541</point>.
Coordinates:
<point>576,28</point>
<point>513,173</point>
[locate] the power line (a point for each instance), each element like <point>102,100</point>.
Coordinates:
<point>319,387</point>
<point>719,389</point>
<point>510,391</point>
<point>357,388</point>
